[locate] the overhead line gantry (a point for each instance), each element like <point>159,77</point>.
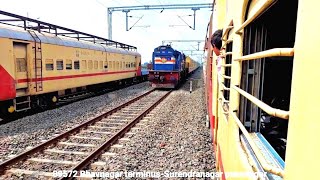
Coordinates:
<point>127,9</point>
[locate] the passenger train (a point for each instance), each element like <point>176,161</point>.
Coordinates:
<point>39,64</point>
<point>263,113</point>
<point>170,67</point>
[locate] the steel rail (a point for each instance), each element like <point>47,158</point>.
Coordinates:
<point>114,138</point>
<point>41,147</point>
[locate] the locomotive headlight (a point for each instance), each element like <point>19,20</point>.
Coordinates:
<point>54,99</point>
<point>11,109</point>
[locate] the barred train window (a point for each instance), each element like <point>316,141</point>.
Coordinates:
<point>90,65</point>
<point>95,64</point>
<point>21,64</point>
<point>260,76</point>
<point>69,64</point>
<point>227,70</point>
<point>76,64</point>
<point>49,64</point>
<point>100,64</point>
<point>59,64</point>
<point>84,64</point>
<point>106,64</point>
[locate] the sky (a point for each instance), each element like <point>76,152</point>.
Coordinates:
<point>90,16</point>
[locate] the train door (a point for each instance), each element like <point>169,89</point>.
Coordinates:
<point>138,63</point>
<point>20,58</point>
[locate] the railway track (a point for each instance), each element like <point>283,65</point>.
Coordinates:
<point>63,100</point>
<point>79,147</point>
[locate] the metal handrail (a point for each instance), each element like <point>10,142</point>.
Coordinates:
<point>227,53</point>
<point>268,53</point>
<point>226,65</point>
<point>224,100</point>
<point>226,31</point>
<point>268,109</point>
<point>264,6</point>
<point>223,55</point>
<point>59,30</point>
<point>263,162</point>
<point>224,87</point>
<point>224,76</point>
<point>221,106</point>
<point>227,42</point>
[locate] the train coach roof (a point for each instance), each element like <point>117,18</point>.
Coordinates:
<point>62,41</point>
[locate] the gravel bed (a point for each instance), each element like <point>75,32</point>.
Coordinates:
<point>85,141</point>
<point>38,166</point>
<point>29,131</point>
<point>176,138</point>
<point>74,148</point>
<point>112,125</point>
<point>93,135</point>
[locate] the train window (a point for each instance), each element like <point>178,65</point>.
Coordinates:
<point>59,64</point>
<point>118,65</point>
<point>76,64</point>
<point>49,64</point>
<point>95,64</point>
<point>106,64</point>
<point>260,76</point>
<point>110,64</point>
<point>123,65</point>
<point>114,64</point>
<point>90,65</point>
<point>21,64</point>
<point>100,64</point>
<point>227,71</point>
<point>69,64</point>
<point>84,64</point>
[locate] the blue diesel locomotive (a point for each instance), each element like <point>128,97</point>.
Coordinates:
<point>167,68</point>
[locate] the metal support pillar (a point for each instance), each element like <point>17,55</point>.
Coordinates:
<point>194,17</point>
<point>126,11</point>
<point>110,24</point>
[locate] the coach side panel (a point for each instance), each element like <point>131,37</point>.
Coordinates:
<point>68,67</point>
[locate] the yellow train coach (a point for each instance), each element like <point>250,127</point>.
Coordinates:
<point>192,65</point>
<point>37,67</point>
<point>263,98</point>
